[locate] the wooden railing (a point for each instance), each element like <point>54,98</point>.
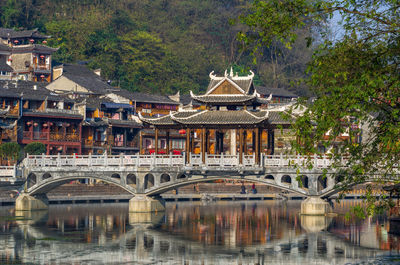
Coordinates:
<point>224,161</point>
<point>67,137</point>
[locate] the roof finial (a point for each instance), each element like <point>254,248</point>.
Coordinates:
<point>226,73</point>
<point>231,73</point>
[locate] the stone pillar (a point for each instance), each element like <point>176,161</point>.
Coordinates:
<point>233,142</point>
<point>241,146</point>
<point>315,206</point>
<point>25,202</point>
<point>141,151</point>
<point>145,204</point>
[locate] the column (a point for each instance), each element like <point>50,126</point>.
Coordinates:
<point>140,142</point>
<point>168,144</point>
<point>271,140</point>
<point>245,142</point>
<point>241,146</point>
<point>203,145</point>
<point>156,141</point>
<point>257,145</point>
<point>216,143</point>
<point>208,141</point>
<point>192,141</point>
<point>233,144</point>
<point>221,139</point>
<point>187,145</point>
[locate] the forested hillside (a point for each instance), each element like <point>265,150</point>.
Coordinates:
<point>156,45</point>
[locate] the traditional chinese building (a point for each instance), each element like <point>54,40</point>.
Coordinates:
<point>29,56</point>
<point>231,121</point>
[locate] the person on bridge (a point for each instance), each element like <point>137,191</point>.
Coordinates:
<point>253,188</point>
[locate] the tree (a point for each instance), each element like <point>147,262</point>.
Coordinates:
<point>356,81</point>
<point>10,151</point>
<point>35,148</point>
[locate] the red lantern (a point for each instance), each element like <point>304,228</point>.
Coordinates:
<point>45,125</point>
<point>41,76</point>
<point>31,40</point>
<point>44,42</point>
<point>29,123</point>
<point>182,131</point>
<point>35,124</point>
<point>16,41</point>
<point>41,56</point>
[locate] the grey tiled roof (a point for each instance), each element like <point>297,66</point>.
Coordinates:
<point>226,100</point>
<point>85,77</point>
<point>245,85</point>
<point>6,32</point>
<point>276,92</point>
<point>145,97</point>
<point>95,123</point>
<point>25,89</point>
<point>51,114</point>
<point>5,48</point>
<point>37,48</point>
<point>208,117</point>
<point>5,67</point>
<point>124,123</point>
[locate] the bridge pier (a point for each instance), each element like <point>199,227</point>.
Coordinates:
<point>145,204</point>
<point>25,202</point>
<point>315,206</point>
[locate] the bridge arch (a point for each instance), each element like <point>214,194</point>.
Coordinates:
<point>322,183</point>
<point>53,180</point>
<point>270,177</point>
<point>46,176</point>
<point>31,180</point>
<point>131,179</point>
<point>163,187</point>
<point>303,181</point>
<point>148,181</point>
<point>165,178</point>
<point>286,179</point>
<point>116,176</point>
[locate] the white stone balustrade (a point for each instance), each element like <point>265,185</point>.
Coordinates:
<point>211,160</point>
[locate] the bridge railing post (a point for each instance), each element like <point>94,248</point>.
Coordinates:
<point>138,159</point>
<point>74,159</point>
<point>105,158</point>
<point>58,160</point>
<point>90,159</point>
<point>221,160</point>
<point>170,159</point>
<point>43,162</point>
<point>281,162</point>
<point>315,161</point>
<point>190,159</point>
<point>121,160</point>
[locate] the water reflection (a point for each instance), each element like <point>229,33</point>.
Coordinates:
<point>190,233</point>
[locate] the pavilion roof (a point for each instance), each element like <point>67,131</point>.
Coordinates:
<point>217,118</point>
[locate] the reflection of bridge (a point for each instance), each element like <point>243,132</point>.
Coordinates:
<point>151,175</point>
<point>141,244</point>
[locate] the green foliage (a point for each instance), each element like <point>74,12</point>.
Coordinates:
<point>158,45</point>
<point>355,79</point>
<point>10,151</point>
<point>35,148</point>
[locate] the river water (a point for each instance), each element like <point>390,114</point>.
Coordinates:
<point>268,232</point>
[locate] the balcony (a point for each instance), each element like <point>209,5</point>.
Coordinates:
<point>57,111</point>
<point>55,137</point>
<point>127,144</point>
<point>90,142</point>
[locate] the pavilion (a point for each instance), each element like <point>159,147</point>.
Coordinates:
<point>232,108</point>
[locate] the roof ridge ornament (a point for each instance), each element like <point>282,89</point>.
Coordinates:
<point>231,73</point>
<point>226,73</point>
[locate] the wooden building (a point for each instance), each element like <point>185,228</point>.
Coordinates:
<point>29,57</point>
<point>230,117</point>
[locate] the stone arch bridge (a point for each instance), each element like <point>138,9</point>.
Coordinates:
<point>148,176</point>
